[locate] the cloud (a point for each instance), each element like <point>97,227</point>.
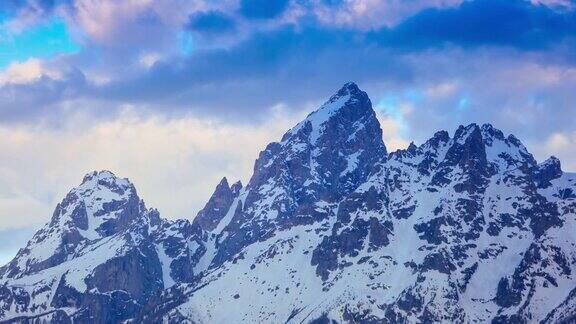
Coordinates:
<point>210,22</point>
<point>27,72</point>
<point>514,23</point>
<point>300,67</point>
<point>558,142</point>
<point>174,163</point>
<point>121,25</point>
<point>392,131</point>
<point>256,74</point>
<point>561,145</point>
<point>291,63</point>
<point>22,14</point>
<point>32,91</point>
<point>198,114</point>
<point>372,14</point>
<point>559,4</point>
<point>262,9</point>
<point>149,59</point>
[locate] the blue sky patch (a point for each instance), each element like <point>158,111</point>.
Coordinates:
<point>40,41</point>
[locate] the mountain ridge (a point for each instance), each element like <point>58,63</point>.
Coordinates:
<point>330,227</point>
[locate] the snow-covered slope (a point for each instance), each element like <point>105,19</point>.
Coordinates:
<point>100,258</point>
<point>463,228</point>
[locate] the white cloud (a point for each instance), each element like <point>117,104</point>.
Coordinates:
<point>138,23</point>
<point>26,72</point>
<point>175,164</point>
<point>561,145</point>
<point>149,59</point>
<point>442,90</point>
<point>558,142</point>
<point>391,132</point>
<point>367,14</point>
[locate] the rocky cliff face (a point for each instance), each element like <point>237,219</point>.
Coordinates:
<point>463,228</point>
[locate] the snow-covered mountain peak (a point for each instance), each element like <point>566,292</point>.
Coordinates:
<point>466,133</point>
<point>101,206</point>
<point>506,152</point>
<point>335,144</point>
<point>465,227</point>
<point>339,140</point>
<point>348,93</point>
<point>104,185</point>
<point>349,102</point>
<point>100,197</point>
<point>488,148</point>
<point>350,88</point>
<point>319,161</point>
<point>102,180</point>
<point>101,175</point>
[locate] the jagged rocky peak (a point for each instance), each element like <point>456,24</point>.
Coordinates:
<point>546,171</point>
<point>473,154</point>
<point>506,152</point>
<point>236,187</point>
<point>104,184</point>
<point>552,165</point>
<point>218,205</point>
<point>100,206</point>
<point>319,161</point>
<point>347,107</point>
<point>104,179</point>
<point>95,254</point>
<point>468,150</point>
<point>333,149</point>
<point>473,147</point>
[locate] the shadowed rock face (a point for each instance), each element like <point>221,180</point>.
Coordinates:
<point>547,171</point>
<point>465,227</point>
<point>329,153</point>
<point>218,205</point>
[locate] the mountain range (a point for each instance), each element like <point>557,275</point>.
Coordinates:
<point>331,228</point>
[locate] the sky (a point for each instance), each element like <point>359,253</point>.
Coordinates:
<point>176,94</point>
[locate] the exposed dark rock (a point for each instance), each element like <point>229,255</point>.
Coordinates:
<point>218,205</point>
